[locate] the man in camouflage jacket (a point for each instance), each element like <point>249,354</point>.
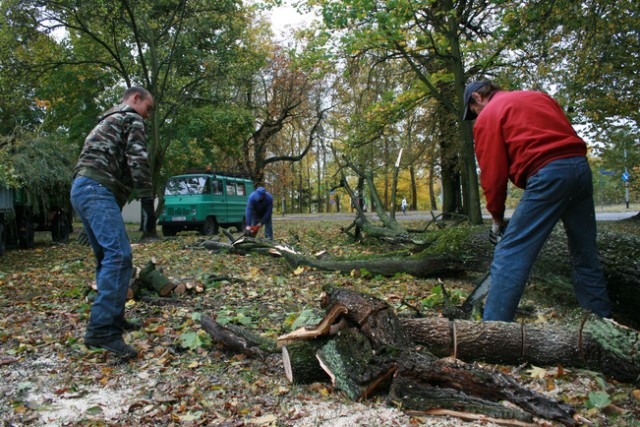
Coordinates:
<point>113,162</point>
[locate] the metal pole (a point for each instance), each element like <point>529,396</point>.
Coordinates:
<point>626,182</point>
<point>601,194</point>
<point>626,193</point>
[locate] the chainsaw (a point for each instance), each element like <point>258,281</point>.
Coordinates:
<point>251,231</point>
<point>477,295</point>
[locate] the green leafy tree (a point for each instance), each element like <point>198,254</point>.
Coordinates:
<point>443,43</point>
<point>176,49</point>
<point>587,53</point>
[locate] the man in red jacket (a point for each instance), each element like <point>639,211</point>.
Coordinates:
<point>525,137</point>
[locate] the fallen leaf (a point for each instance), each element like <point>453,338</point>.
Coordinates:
<point>265,419</point>
<point>536,372</point>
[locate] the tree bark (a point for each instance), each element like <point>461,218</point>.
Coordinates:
<point>595,343</point>
<point>362,347</point>
<point>154,279</point>
<point>375,343</point>
<point>237,339</point>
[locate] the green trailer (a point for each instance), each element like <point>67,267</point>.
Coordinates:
<point>34,189</point>
<point>21,217</point>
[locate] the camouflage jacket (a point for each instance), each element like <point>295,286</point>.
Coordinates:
<point>115,154</point>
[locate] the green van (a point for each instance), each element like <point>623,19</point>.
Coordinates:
<point>203,202</point>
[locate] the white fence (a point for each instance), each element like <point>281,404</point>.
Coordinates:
<point>131,213</point>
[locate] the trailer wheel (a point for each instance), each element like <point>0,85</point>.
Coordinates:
<point>3,240</point>
<point>60,228</point>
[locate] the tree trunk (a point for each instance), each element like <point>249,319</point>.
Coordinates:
<point>374,351</point>
<point>154,279</point>
<point>457,250</point>
<point>596,344</point>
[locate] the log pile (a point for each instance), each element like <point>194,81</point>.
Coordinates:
<point>151,278</point>
<point>374,353</point>
<point>363,348</point>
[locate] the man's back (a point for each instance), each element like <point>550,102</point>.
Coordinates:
<point>521,131</point>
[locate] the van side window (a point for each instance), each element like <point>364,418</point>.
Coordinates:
<point>231,188</point>
<point>184,186</point>
<point>240,188</point>
<point>216,187</point>
<point>199,186</point>
<point>207,187</point>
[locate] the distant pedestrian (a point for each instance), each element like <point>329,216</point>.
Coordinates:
<point>259,211</point>
<point>525,137</point>
<point>403,205</point>
<point>113,161</point>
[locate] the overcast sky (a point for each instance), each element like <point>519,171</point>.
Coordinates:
<point>286,17</point>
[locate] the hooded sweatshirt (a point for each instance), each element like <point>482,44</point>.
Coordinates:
<point>115,154</point>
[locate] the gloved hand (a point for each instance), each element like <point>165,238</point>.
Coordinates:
<point>497,231</point>
<point>251,230</point>
<point>148,215</point>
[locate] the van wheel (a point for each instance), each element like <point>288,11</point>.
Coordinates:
<point>168,230</point>
<point>210,227</point>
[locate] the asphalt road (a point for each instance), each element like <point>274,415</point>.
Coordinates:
<point>422,215</point>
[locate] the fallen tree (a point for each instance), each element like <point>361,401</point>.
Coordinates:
<point>456,251</point>
<point>363,348</point>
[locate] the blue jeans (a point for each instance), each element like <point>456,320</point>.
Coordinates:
<point>561,190</point>
<point>102,220</point>
<point>268,226</point>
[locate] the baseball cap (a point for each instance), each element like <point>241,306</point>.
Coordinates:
<point>471,87</point>
<point>261,191</point>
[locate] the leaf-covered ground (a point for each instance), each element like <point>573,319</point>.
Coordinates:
<point>181,378</point>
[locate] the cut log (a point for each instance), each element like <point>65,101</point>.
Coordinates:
<point>311,332</point>
<point>488,385</point>
<point>376,352</point>
<point>156,280</point>
<point>300,363</point>
<point>346,360</point>
<point>597,344</point>
<point>374,317</point>
<point>417,398</point>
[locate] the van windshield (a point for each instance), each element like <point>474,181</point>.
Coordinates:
<point>183,186</point>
